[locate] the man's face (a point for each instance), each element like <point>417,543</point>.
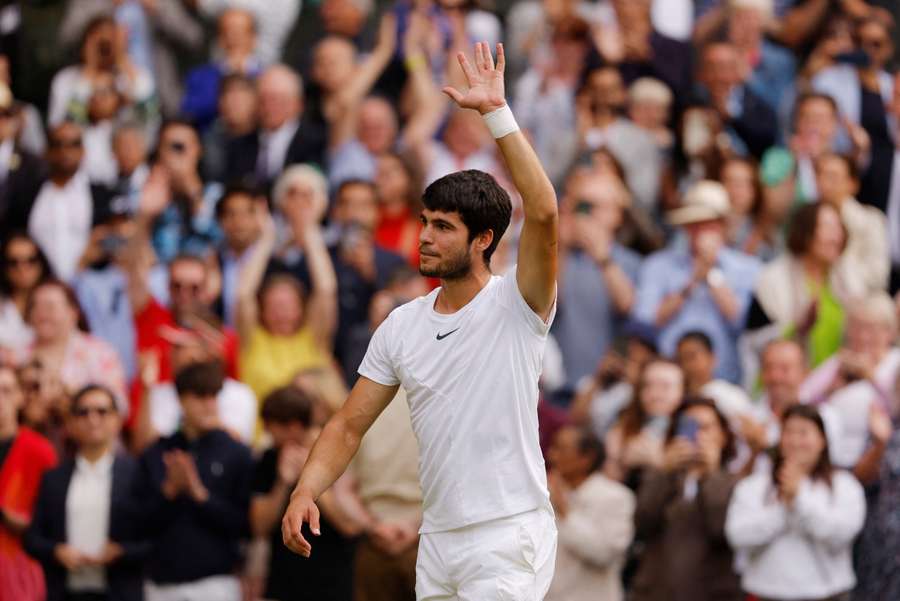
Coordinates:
<point>236,33</point>
<point>599,203</point>
<point>746,26</point>
<point>607,89</point>
<point>64,150</point>
<point>444,249</point>
<point>706,237</point>
<point>334,62</point>
<point>817,124</point>
<point>130,150</point>
<point>720,70</point>
<point>377,127</point>
<point>179,148</point>
<point>279,99</point>
<point>783,371</point>
<point>201,412</point>
<point>187,282</point>
<point>238,222</point>
<point>342,17</point>
<point>834,180</point>
<point>875,41</point>
<point>867,334</point>
<point>357,203</point>
<point>565,456</point>
<point>94,421</point>
<point>697,362</point>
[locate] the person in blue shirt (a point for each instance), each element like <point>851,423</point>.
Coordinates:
<point>706,286</point>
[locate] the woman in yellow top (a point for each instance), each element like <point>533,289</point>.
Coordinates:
<point>284,330</point>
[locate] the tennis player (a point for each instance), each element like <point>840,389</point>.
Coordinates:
<point>469,356</point>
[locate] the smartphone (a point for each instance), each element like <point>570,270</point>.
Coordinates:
<point>856,58</point>
<point>687,428</point>
<point>113,244</point>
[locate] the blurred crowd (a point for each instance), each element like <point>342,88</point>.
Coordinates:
<point>208,206</point>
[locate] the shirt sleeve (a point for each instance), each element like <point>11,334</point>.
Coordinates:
<point>512,298</point>
<point>378,364</point>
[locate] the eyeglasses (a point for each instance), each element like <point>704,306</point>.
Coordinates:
<point>20,261</point>
<point>874,44</point>
<point>86,411</point>
<point>185,287</point>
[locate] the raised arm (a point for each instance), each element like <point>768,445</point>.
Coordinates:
<point>330,457</point>
<point>252,275</point>
<point>538,245</point>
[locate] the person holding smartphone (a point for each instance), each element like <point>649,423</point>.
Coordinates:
<point>680,514</point>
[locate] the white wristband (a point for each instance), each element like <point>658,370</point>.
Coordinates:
<point>501,122</point>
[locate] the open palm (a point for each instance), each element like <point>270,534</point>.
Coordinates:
<point>486,90</point>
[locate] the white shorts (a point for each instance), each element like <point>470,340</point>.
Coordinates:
<point>508,559</point>
<point>218,588</point>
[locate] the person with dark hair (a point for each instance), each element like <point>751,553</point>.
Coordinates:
<point>284,328</point>
<point>70,355</point>
<point>236,215</point>
<point>25,456</point>
<point>594,516</point>
<point>837,179</point>
<point>805,292</point>
<point>237,107</point>
<point>398,184</point>
<point>681,508</point>
<point>288,414</point>
<point>798,521</point>
<point>86,529</point>
<point>22,267</point>
<point>468,355</point>
<point>195,493</point>
<point>697,357</point>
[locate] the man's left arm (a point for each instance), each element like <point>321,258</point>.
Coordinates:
<point>538,245</point>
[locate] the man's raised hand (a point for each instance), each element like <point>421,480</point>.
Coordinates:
<point>485,81</point>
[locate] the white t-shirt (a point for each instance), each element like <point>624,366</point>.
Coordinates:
<point>236,403</point>
<point>471,380</point>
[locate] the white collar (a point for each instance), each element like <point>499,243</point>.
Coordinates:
<point>101,466</point>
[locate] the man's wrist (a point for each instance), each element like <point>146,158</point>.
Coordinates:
<point>500,121</point>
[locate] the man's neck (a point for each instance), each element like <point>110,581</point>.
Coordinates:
<point>574,481</point>
<point>7,431</point>
<point>457,293</point>
<point>61,180</point>
<point>93,454</point>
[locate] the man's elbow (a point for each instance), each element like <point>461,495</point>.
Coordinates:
<point>545,216</point>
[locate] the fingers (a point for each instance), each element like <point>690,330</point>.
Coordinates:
<point>470,73</point>
<point>501,58</point>
<point>314,520</point>
<point>292,537</point>
<point>454,94</point>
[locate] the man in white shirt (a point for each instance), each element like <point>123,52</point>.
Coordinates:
<point>469,357</point>
<point>61,216</point>
<point>85,529</point>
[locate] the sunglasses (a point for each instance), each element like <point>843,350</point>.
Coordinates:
<point>876,44</point>
<point>20,261</point>
<point>186,287</point>
<point>86,411</point>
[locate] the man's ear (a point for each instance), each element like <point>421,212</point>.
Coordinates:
<point>483,240</point>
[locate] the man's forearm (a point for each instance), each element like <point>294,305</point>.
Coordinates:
<point>538,196</point>
<point>328,459</point>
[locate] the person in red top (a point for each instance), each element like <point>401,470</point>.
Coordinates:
<point>24,457</point>
<point>399,186</point>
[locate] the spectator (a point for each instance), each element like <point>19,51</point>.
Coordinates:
<point>281,328</point>
<point>327,575</point>
<point>600,106</point>
<point>280,140</point>
<point>681,509</point>
<point>704,287</point>
<point>650,107</point>
<point>806,292</point>
<point>867,246</point>
<point>60,216</point>
<point>877,546</point>
<point>635,442</point>
<point>177,202</point>
<point>855,381</point>
<point>195,488</point>
<point>103,53</point>
<point>600,396</point>
<point>361,265</point>
<point>130,150</point>
<point>237,116</point>
<point>398,182</point>
<point>101,283</point>
<point>798,522</point>
<point>697,358</point>
<point>23,266</point>
<point>86,526</point>
<point>750,122</point>
<point>598,275</point>
<point>236,214</point>
<point>273,20</point>
<point>46,405</point>
<point>21,172</point>
<point>779,191</point>
<point>103,109</point>
<point>65,349</point>
<point>156,34</point>
<point>594,517</point>
<point>739,176</point>
<point>24,457</point>
<point>29,125</point>
<point>160,411</point>
<point>236,50</point>
<point>298,188</point>
<point>385,470</point>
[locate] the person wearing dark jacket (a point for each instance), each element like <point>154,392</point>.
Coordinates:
<point>86,530</point>
<point>195,488</point>
<point>680,513</point>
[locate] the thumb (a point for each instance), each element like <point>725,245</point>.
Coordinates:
<point>314,520</point>
<point>453,93</point>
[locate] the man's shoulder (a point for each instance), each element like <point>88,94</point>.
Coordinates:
<point>739,261</point>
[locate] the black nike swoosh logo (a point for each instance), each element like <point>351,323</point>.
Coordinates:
<point>442,336</point>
